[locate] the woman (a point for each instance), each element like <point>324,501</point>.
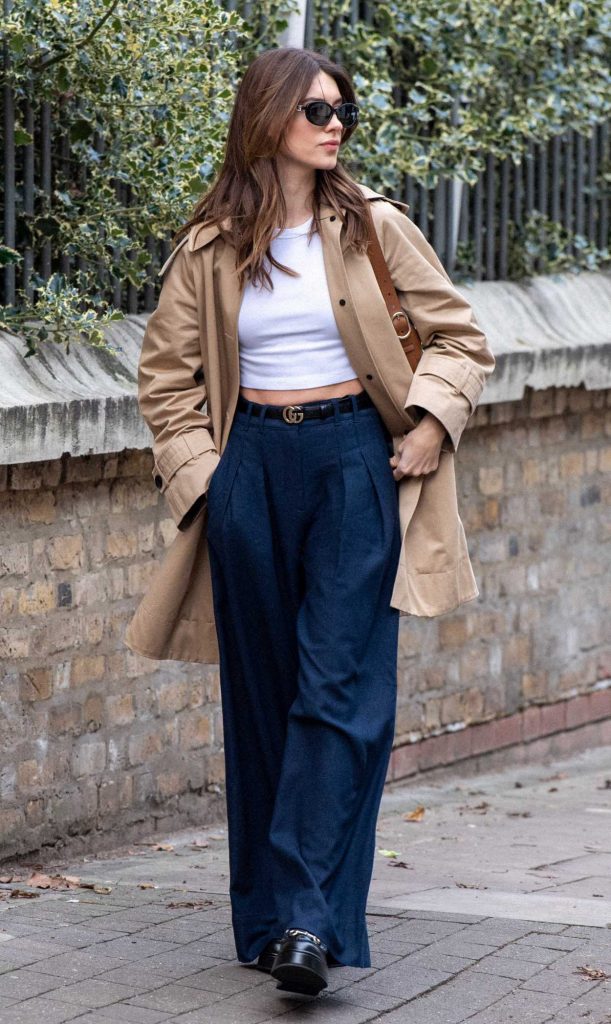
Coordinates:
<point>293,493</point>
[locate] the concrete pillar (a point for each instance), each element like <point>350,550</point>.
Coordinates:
<point>294,34</point>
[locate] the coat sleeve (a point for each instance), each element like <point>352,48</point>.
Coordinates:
<point>456,359</point>
<point>172,394</point>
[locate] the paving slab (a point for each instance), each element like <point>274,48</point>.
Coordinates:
<point>495,907</point>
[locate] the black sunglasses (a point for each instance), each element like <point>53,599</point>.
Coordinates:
<point>319,112</point>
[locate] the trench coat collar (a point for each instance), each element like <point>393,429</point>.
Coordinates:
<point>201,234</point>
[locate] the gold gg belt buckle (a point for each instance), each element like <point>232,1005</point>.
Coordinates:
<point>292,414</point>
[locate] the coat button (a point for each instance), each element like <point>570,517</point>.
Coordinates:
<point>332,218</point>
<point>369,376</point>
<point>342,302</point>
<point>158,481</point>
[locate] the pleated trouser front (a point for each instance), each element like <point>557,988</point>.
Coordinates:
<point>304,539</point>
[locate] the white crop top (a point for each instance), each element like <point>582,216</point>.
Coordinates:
<point>288,337</point>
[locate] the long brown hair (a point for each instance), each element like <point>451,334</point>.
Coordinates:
<point>247,187</point>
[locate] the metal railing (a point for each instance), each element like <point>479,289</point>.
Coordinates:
<point>559,179</point>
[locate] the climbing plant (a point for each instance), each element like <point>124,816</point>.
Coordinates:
<point>444,84</point>
<point>138,97</point>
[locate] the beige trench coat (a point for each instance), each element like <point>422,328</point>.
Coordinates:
<point>188,384</point>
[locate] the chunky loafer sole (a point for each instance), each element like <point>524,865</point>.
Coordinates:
<point>266,958</point>
<point>299,969</point>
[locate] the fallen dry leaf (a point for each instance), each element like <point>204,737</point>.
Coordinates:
<point>103,890</point>
<point>468,885</point>
<point>593,973</point>
<point>416,815</point>
<point>478,808</point>
<point>165,847</point>
<point>216,835</point>
<point>22,894</point>
<point>41,881</point>
<point>519,814</point>
<point>190,904</point>
<point>388,853</point>
<point>146,885</point>
<point>398,864</point>
<point>199,844</point>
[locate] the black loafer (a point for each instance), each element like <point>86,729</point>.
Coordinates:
<point>266,958</point>
<point>301,963</point>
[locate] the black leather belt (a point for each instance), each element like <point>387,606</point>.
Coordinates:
<point>306,411</point>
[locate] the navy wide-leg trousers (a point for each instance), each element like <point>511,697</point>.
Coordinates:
<point>304,540</point>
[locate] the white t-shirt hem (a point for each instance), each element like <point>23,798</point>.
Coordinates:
<point>281,384</point>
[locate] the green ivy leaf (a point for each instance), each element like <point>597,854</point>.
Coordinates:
<point>81,129</point>
<point>22,138</point>
<point>9,256</point>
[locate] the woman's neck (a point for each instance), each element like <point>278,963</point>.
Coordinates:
<point>298,184</point>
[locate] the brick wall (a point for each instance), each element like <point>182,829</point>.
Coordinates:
<point>98,744</point>
<point>534,480</point>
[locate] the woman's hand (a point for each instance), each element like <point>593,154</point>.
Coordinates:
<point>419,450</point>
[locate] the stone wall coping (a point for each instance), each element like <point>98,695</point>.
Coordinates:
<point>550,331</point>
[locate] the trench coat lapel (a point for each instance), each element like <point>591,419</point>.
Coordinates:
<point>354,335</point>
<point>231,299</point>
<point>333,246</point>
<point>333,249</point>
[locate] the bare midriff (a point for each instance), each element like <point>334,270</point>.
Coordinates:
<point>297,395</point>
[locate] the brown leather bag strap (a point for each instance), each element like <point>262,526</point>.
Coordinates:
<point>405,329</point>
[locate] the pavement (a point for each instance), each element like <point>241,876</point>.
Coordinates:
<point>490,903</point>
